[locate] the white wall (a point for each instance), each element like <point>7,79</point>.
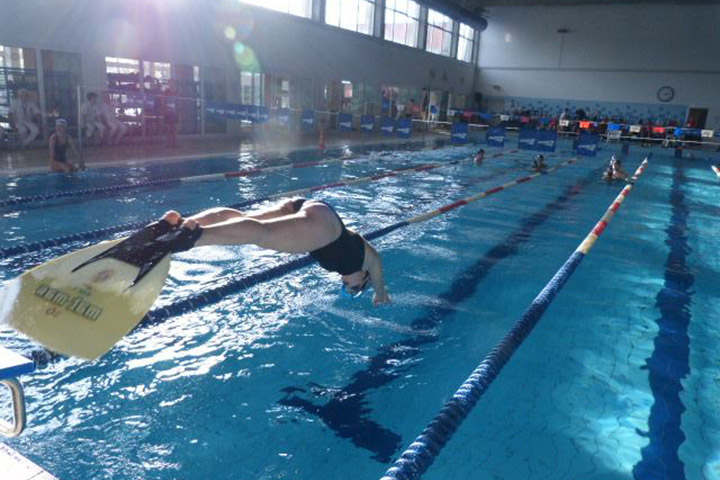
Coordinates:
<point>192,32</point>
<point>616,53</point>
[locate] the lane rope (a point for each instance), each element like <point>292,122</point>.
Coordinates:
<point>108,231</point>
<point>14,201</point>
<point>422,452</point>
<point>716,170</point>
<point>238,284</point>
<point>209,297</point>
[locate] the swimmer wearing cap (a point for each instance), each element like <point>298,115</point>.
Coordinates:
<point>294,226</point>
<point>59,143</point>
<point>614,170</point>
<point>538,163</point>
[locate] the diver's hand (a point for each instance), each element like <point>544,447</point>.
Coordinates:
<point>381,298</point>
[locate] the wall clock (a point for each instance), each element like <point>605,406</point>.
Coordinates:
<point>665,94</point>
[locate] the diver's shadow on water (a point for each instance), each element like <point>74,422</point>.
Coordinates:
<point>346,414</point>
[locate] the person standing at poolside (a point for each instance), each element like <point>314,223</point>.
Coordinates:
<point>59,143</point>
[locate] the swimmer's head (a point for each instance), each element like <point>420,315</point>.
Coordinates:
<point>354,284</point>
<point>60,125</point>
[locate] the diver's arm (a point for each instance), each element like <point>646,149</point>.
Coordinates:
<point>373,264</point>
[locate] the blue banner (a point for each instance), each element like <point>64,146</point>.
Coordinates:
<point>308,118</point>
<point>345,122</point>
<point>387,126</point>
<point>495,137</point>
<point>263,114</point>
<point>236,111</point>
<point>459,133</point>
<point>367,123</point>
<point>404,128</point>
<point>284,116</point>
<point>212,107</point>
<point>587,144</point>
<point>252,113</point>
<point>546,141</point>
<point>527,139</point>
<point>613,127</point>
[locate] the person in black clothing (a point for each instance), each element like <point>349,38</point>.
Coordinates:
<point>59,143</point>
<point>294,226</point>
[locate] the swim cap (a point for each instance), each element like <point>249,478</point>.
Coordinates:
<point>61,121</point>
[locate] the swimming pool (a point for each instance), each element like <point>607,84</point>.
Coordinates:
<point>287,380</point>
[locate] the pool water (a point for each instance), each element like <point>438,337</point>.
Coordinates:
<point>287,379</point>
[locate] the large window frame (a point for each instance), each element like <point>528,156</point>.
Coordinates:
<point>354,15</point>
<point>466,43</point>
<point>298,8</point>
<point>402,22</point>
<point>439,33</point>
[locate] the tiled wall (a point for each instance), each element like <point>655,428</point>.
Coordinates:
<point>631,112</point>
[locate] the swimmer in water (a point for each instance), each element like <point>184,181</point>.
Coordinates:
<point>294,226</point>
<point>59,143</point>
<point>479,157</point>
<point>614,170</point>
<point>538,163</point>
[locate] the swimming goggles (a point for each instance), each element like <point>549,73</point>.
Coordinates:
<point>357,290</point>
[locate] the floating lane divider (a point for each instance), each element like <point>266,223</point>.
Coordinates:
<point>200,300</point>
<point>87,192</point>
<point>422,452</point>
<point>106,232</point>
<point>238,284</point>
<point>716,170</point>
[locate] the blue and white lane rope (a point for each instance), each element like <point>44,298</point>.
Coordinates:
<point>87,192</point>
<point>215,295</point>
<point>238,284</point>
<point>422,452</point>
<point>106,232</point>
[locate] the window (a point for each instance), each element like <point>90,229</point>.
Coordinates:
<point>402,21</point>
<point>355,15</point>
<point>465,43</point>
<point>299,8</point>
<point>439,33</point>
<point>252,88</point>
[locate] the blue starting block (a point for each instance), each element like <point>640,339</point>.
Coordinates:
<point>13,365</point>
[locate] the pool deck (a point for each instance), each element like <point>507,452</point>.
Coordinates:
<point>22,162</point>
<point>16,467</point>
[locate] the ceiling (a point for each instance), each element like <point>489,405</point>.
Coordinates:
<point>472,9</point>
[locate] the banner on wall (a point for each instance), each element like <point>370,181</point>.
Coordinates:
<point>546,141</point>
<point>459,133</point>
<point>587,144</point>
<point>263,114</point>
<point>635,128</point>
<point>367,123</point>
<point>504,118</point>
<point>345,122</point>
<point>564,123</point>
<point>495,137</point>
<point>707,134</point>
<point>387,126</point>
<point>284,116</point>
<point>613,127</point>
<point>211,108</point>
<point>252,113</point>
<point>404,128</point>
<point>527,139</point>
<point>236,111</point>
<point>308,118</point>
